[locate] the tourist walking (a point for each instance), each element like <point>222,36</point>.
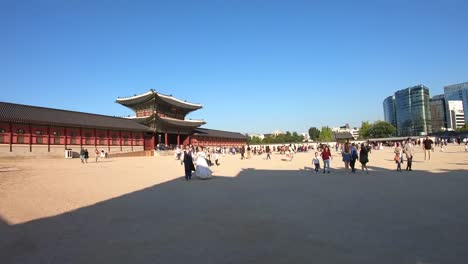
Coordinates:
<point>203,171</point>
<point>242,152</point>
<point>187,160</point>
<point>316,162</point>
<point>82,155</point>
<point>86,155</point>
<point>364,157</point>
<point>466,145</point>
<point>96,154</point>
<point>268,151</point>
<point>249,150</point>
<point>427,147</point>
<point>398,156</point>
<point>178,153</point>
<point>409,153</point>
<point>216,156</point>
<point>346,154</point>
<point>326,157</point>
<point>354,157</point>
<point>291,152</point>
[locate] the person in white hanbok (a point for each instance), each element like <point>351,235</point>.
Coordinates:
<point>203,171</point>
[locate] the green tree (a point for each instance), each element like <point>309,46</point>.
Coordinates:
<point>364,131</point>
<point>381,129</point>
<point>326,134</point>
<point>314,133</point>
<point>254,140</point>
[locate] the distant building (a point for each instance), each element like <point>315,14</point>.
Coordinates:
<point>457,92</point>
<point>456,116</point>
<point>412,111</point>
<point>390,110</point>
<point>166,115</point>
<point>261,136</point>
<point>343,136</point>
<point>346,130</point>
<point>439,121</point>
<point>278,132</point>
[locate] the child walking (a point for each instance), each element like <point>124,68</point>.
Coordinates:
<point>316,162</point>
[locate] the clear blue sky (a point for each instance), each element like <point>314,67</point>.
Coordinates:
<point>256,66</point>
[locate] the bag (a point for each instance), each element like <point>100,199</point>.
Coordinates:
<point>397,158</point>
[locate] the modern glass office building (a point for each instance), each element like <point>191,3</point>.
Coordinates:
<point>413,111</point>
<point>438,113</point>
<point>389,110</point>
<point>457,92</point>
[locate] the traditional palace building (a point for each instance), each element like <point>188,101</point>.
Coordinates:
<point>38,131</point>
<point>165,115</point>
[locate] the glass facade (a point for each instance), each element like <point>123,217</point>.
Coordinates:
<point>457,92</point>
<point>413,111</point>
<point>389,110</point>
<point>438,113</point>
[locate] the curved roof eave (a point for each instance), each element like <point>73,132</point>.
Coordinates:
<point>177,102</point>
<point>135,99</point>
<point>185,123</point>
<point>132,100</point>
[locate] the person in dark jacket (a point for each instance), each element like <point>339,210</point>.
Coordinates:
<point>187,160</point>
<point>86,155</point>
<point>364,157</point>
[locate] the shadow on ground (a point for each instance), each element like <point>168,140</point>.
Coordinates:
<point>261,216</point>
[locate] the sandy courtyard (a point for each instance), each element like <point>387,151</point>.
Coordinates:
<point>141,210</point>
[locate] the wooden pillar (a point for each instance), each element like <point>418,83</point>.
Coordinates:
<point>30,138</point>
<point>11,137</point>
<point>165,138</point>
<point>108,140</point>
<point>65,130</point>
<point>81,137</point>
<point>131,140</point>
<point>48,138</point>
<point>178,139</point>
<point>120,140</point>
<point>95,139</point>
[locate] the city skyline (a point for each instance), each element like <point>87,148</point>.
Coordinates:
<point>256,67</point>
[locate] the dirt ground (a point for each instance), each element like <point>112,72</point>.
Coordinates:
<point>141,210</point>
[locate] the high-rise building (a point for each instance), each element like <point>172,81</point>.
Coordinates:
<point>457,92</point>
<point>413,113</point>
<point>389,110</point>
<point>438,113</point>
<point>456,116</point>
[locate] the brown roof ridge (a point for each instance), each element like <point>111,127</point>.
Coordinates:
<point>63,110</point>
<point>219,130</point>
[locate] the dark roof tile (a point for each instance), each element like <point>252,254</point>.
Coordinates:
<point>218,133</point>
<point>50,116</point>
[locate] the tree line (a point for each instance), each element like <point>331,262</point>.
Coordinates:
<point>276,139</point>
<point>379,129</point>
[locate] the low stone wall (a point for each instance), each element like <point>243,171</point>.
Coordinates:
<point>26,150</point>
<point>144,153</point>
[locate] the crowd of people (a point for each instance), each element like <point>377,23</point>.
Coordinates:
<point>84,155</point>
<point>199,159</point>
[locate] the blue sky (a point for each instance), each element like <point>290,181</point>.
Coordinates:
<point>256,66</point>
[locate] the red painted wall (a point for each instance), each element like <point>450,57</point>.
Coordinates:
<point>53,135</point>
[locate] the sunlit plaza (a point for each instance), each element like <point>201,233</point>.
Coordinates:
<point>142,210</point>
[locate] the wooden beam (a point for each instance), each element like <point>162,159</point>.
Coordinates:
<point>11,137</point>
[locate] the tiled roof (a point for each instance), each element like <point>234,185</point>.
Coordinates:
<point>138,99</point>
<point>167,120</point>
<point>343,135</point>
<point>50,116</point>
<point>218,133</point>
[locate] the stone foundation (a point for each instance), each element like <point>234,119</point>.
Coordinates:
<point>26,150</point>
